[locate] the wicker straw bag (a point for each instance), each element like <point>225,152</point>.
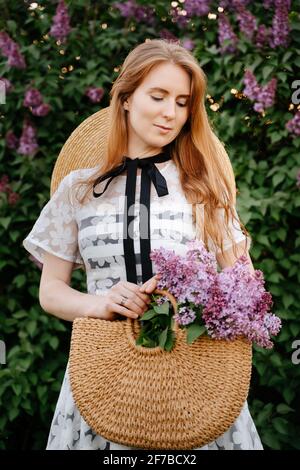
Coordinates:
<point>149,398</point>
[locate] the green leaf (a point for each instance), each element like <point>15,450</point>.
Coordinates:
<point>20,280</point>
<point>281,425</point>
<point>284,409</point>
<point>170,340</point>
<point>31,327</point>
<point>54,342</point>
<point>287,300</point>
<point>148,315</point>
<point>17,388</point>
<point>12,413</point>
<point>163,338</point>
<point>194,331</point>
<point>163,308</point>
<point>5,221</point>
<point>288,395</point>
<point>266,71</point>
<point>278,178</point>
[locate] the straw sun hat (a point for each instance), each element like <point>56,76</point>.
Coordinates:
<point>148,398</point>
<point>84,148</point>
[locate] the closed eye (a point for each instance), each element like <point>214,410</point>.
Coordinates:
<point>159,99</point>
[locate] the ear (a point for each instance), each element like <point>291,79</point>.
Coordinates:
<point>125,105</point>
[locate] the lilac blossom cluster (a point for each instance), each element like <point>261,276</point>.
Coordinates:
<point>293,125</point>
<point>94,94</point>
<point>27,144</point>
<point>12,196</point>
<point>247,21</point>
<point>11,50</point>
<point>7,84</point>
<point>185,316</point>
<point>280,24</point>
<point>234,301</point>
<point>262,96</point>
<point>233,4</point>
<point>197,7</point>
<point>239,306</point>
<point>61,28</point>
<point>34,100</point>
<point>226,33</point>
<point>131,9</point>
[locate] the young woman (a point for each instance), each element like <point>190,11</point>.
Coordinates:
<point>165,179</point>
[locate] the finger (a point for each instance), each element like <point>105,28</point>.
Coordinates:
<point>124,310</point>
<point>149,286</point>
<point>133,297</point>
<point>136,290</point>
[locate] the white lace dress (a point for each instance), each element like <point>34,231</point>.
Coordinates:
<point>91,235</point>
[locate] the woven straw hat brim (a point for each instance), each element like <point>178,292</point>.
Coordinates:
<point>84,148</point>
<point>149,398</point>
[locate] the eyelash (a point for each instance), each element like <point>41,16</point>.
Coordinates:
<point>159,99</point>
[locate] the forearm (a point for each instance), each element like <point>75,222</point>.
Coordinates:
<point>63,301</point>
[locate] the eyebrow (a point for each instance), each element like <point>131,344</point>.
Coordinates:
<point>165,91</point>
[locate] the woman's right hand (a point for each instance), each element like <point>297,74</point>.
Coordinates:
<point>107,307</point>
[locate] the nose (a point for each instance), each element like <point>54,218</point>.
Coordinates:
<point>170,109</point>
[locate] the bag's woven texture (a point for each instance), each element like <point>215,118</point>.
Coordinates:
<point>153,399</point>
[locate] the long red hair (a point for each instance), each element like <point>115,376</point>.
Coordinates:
<point>205,170</point>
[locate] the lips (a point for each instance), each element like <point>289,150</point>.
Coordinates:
<point>163,127</point>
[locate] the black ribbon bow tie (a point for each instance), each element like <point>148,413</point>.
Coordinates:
<point>149,173</point>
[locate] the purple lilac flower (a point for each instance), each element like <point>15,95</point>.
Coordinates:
<point>166,34</point>
<point>11,50</point>
<point>225,33</point>
<point>239,306</point>
<point>28,142</point>
<point>13,198</point>
<point>263,96</point>
<point>4,184</point>
<point>41,110</point>
<point>247,21</point>
<point>162,300</point>
<point>262,37</point>
<point>197,7</point>
<point>7,84</point>
<point>266,96</point>
<point>178,271</point>
<point>280,24</point>
<point>188,44</point>
<point>252,88</point>
<point>233,4</point>
<point>11,140</point>
<point>235,301</point>
<point>94,94</point>
<point>61,23</point>
<point>131,9</point>
<point>185,316</point>
<point>177,17</point>
<point>32,98</point>
<point>293,125</point>
<point>268,4</point>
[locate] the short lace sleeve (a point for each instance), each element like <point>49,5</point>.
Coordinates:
<point>236,231</point>
<point>56,230</point>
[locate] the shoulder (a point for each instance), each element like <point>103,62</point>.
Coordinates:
<point>83,173</point>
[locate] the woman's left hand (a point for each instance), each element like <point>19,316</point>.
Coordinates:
<point>149,286</point>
